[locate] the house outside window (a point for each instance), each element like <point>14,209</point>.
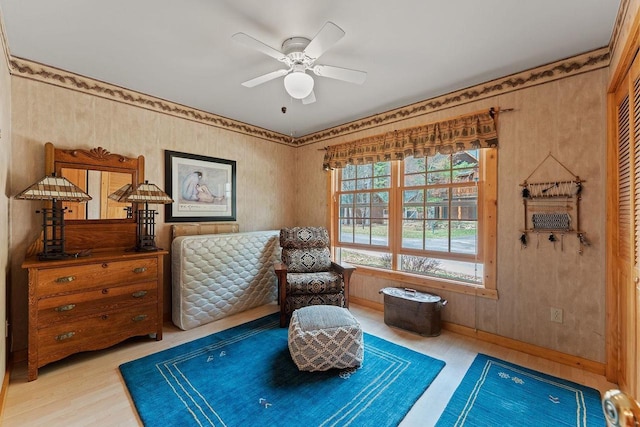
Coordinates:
<point>424,220</point>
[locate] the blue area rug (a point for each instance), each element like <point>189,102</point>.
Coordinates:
<point>497,393</point>
<point>244,376</point>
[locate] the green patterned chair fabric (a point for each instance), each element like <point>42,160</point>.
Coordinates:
<point>307,276</point>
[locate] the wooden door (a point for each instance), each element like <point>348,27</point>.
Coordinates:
<point>76,210</point>
<point>110,182</point>
<point>624,230</point>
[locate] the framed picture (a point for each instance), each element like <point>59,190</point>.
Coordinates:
<point>203,188</point>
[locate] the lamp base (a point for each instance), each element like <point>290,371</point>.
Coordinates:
<point>50,256</point>
<point>147,249</point>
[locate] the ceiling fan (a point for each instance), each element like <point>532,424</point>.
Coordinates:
<point>299,54</point>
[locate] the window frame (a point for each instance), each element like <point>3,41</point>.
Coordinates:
<point>487,232</point>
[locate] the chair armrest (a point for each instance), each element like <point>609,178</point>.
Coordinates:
<point>346,270</point>
<point>279,267</point>
<point>342,267</point>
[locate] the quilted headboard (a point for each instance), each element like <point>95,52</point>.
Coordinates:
<point>216,275</point>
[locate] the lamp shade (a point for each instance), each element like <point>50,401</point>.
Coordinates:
<point>298,84</point>
<point>119,193</point>
<point>54,188</point>
<point>143,193</point>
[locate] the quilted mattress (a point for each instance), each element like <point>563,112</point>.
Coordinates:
<point>216,275</point>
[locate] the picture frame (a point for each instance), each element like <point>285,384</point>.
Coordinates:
<point>203,188</point>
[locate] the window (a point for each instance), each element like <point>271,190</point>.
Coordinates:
<point>424,220</point>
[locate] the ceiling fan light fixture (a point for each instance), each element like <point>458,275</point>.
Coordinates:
<point>298,84</point>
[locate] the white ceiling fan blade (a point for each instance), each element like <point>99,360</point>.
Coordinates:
<point>310,99</point>
<point>328,35</point>
<point>265,78</point>
<point>258,45</point>
<point>345,74</point>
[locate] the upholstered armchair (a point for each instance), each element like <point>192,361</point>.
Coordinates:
<point>306,275</point>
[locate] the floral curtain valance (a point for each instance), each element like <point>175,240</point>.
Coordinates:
<point>462,133</point>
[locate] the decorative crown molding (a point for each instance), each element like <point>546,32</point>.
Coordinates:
<point>557,70</point>
<point>46,74</point>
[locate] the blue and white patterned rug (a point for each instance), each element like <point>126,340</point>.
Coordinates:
<point>244,376</point>
<point>498,393</point>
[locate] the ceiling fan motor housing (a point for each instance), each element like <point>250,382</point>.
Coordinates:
<point>293,48</point>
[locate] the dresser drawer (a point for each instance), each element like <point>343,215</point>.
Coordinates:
<point>65,308</point>
<point>73,278</point>
<point>95,332</point>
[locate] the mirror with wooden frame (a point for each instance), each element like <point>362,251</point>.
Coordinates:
<point>101,222</point>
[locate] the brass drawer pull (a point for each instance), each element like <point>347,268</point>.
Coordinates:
<point>65,336</point>
<point>139,317</point>
<point>139,294</point>
<point>65,279</point>
<point>139,270</point>
<point>65,308</point>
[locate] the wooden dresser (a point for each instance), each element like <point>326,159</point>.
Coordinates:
<point>91,303</point>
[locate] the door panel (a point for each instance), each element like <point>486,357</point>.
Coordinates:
<point>626,235</point>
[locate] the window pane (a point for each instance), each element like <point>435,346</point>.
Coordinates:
<point>414,180</point>
<point>382,168</point>
<point>464,203</point>
<point>380,205</point>
<point>439,162</point>
<point>362,232</point>
<point>465,159</point>
<point>368,258</point>
<point>413,197</point>
<point>380,234</point>
<point>412,234</point>
<point>348,185</point>
<point>465,175</point>
<point>364,184</point>
<point>447,269</point>
<point>382,182</point>
<point>438,203</point>
<point>346,200</point>
<point>413,204</point>
<point>436,236</point>
<point>364,171</point>
<point>436,178</point>
<point>348,172</point>
<point>464,237</point>
<point>413,165</point>
<point>345,232</point>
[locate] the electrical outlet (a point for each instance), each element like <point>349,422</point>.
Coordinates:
<point>556,315</point>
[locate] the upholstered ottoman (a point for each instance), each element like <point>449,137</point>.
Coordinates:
<point>322,337</point>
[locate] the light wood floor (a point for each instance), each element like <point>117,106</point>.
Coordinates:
<point>87,390</point>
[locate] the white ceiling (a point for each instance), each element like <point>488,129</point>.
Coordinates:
<point>413,50</point>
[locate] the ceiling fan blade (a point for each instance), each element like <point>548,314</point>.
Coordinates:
<point>345,74</point>
<point>258,45</point>
<point>265,78</point>
<point>310,99</point>
<point>328,35</point>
